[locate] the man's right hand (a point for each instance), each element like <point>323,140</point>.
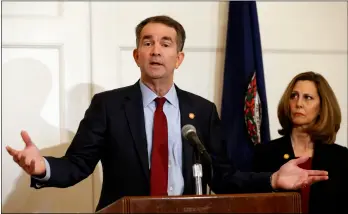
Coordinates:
<point>29,158</point>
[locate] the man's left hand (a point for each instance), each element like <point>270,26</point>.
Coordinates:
<point>291,177</point>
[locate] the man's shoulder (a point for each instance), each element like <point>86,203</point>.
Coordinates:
<point>115,93</point>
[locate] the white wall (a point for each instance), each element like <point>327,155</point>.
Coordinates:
<point>75,48</point>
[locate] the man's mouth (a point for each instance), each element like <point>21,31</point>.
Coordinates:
<point>155,63</point>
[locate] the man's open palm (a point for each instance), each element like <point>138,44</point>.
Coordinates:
<point>292,177</point>
<point>29,158</point>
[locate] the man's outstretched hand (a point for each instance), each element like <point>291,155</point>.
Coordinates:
<point>29,158</point>
<point>291,177</point>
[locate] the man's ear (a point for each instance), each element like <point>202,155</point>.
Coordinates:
<point>136,56</point>
<point>179,59</point>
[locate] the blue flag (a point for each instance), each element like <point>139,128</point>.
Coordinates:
<point>244,112</point>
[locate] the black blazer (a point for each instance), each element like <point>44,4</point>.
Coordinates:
<point>113,131</point>
<point>329,196</point>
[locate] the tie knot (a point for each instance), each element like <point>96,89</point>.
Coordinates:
<point>160,102</point>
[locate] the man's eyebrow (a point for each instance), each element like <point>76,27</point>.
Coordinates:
<point>167,38</point>
<point>147,37</point>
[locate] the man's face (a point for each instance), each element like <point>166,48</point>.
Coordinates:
<point>157,54</point>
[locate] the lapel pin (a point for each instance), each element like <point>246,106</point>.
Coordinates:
<point>286,156</point>
<point>191,115</point>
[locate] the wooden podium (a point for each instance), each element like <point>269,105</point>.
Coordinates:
<point>289,202</point>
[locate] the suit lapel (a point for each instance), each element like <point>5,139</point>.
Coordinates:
<point>288,147</point>
<point>135,117</point>
<point>187,157</point>
<point>284,150</point>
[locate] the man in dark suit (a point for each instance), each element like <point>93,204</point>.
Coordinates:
<point>136,133</point>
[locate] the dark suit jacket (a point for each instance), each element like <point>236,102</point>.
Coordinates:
<point>113,131</point>
<point>329,196</point>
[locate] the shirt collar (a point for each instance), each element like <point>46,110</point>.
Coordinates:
<point>149,95</point>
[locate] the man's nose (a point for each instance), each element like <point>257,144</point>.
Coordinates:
<point>156,50</point>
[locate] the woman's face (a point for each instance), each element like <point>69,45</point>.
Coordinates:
<point>304,103</point>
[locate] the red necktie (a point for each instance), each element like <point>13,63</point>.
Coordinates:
<point>159,154</point>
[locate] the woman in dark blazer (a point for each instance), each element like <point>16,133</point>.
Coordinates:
<point>310,117</point>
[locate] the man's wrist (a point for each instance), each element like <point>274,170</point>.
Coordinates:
<point>41,176</point>
<point>273,179</point>
<point>47,174</point>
